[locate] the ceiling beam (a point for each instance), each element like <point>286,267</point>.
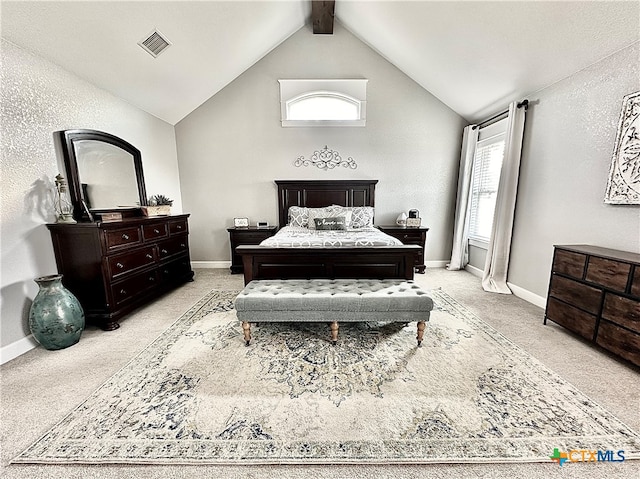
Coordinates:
<point>322,16</point>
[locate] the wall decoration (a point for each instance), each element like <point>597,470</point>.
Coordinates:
<point>326,159</point>
<point>623,187</point>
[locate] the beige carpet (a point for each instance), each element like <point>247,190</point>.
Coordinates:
<point>55,381</point>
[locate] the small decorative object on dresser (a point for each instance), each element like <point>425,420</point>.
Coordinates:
<point>240,222</point>
<point>246,235</point>
<point>410,235</point>
<point>595,293</point>
<point>62,204</point>
<point>159,205</point>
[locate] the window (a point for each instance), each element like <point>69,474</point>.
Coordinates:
<point>487,164</point>
<point>323,102</point>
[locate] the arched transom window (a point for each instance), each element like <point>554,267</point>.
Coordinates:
<point>337,103</point>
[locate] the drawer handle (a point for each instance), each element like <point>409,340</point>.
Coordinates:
<point>182,245</point>
<point>163,251</point>
<point>120,265</point>
<point>156,231</point>
<point>179,227</point>
<point>152,279</point>
<point>123,291</point>
<point>125,236</point>
<point>166,271</point>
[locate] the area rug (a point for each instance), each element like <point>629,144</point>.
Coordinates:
<point>198,395</point>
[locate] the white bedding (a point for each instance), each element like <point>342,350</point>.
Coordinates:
<point>297,237</point>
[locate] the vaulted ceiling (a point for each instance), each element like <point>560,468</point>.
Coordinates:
<point>474,56</point>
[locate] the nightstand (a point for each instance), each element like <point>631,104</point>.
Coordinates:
<point>409,235</point>
<point>251,235</point>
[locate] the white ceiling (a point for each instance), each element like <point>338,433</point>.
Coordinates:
<point>474,56</point>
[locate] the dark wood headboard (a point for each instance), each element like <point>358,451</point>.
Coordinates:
<point>319,193</point>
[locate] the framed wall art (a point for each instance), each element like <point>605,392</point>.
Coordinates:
<point>623,187</point>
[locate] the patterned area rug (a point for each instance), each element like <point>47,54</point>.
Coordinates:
<point>198,395</point>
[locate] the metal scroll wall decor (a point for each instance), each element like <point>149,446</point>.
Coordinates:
<point>326,159</point>
<point>623,187</point>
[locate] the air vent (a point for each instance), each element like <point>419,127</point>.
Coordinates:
<point>155,43</point>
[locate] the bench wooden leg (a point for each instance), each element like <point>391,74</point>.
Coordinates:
<point>421,326</point>
<point>246,329</point>
<point>334,332</point>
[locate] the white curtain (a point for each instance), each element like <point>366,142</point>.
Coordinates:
<point>460,251</point>
<point>496,266</point>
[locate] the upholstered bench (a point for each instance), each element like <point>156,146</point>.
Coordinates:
<point>333,301</point>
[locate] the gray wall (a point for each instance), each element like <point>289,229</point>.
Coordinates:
<point>39,98</point>
<point>569,139</point>
<point>232,148</point>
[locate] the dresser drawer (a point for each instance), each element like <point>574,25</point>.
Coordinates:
<point>569,263</point>
<point>619,341</point>
<point>571,318</point>
<point>622,311</point>
<point>608,273</point>
<point>178,227</point>
<point>635,285</point>
<point>174,246</point>
<point>155,231</point>
<point>176,269</point>
<point>127,290</point>
<point>122,238</point>
<point>124,263</point>
<point>576,294</point>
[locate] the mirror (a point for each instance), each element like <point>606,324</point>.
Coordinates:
<point>104,172</point>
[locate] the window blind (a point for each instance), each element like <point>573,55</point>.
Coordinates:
<point>487,164</point>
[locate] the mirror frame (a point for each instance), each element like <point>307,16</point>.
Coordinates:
<point>65,140</point>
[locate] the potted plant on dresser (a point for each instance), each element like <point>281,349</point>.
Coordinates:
<point>159,205</point>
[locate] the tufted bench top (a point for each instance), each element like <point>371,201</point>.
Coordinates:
<point>340,295</point>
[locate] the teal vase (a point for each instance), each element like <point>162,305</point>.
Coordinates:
<point>56,318</point>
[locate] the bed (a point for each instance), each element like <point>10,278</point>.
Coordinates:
<point>371,255</point>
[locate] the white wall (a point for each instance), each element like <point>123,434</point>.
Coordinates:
<point>569,139</point>
<point>39,98</point>
<point>232,148</point>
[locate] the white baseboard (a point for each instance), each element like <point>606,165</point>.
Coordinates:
<point>528,295</point>
<point>474,271</point>
<point>515,289</point>
<point>15,349</point>
<point>436,264</point>
<point>210,264</point>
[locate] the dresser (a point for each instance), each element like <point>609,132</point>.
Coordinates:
<point>595,292</point>
<point>410,235</point>
<point>251,235</point>
<point>115,267</point>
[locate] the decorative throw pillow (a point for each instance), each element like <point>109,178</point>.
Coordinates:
<point>331,223</point>
<point>299,216</point>
<point>361,216</point>
<point>326,212</point>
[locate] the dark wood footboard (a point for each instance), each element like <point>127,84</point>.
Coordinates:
<point>380,262</point>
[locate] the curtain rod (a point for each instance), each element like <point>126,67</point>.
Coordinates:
<point>498,116</point>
